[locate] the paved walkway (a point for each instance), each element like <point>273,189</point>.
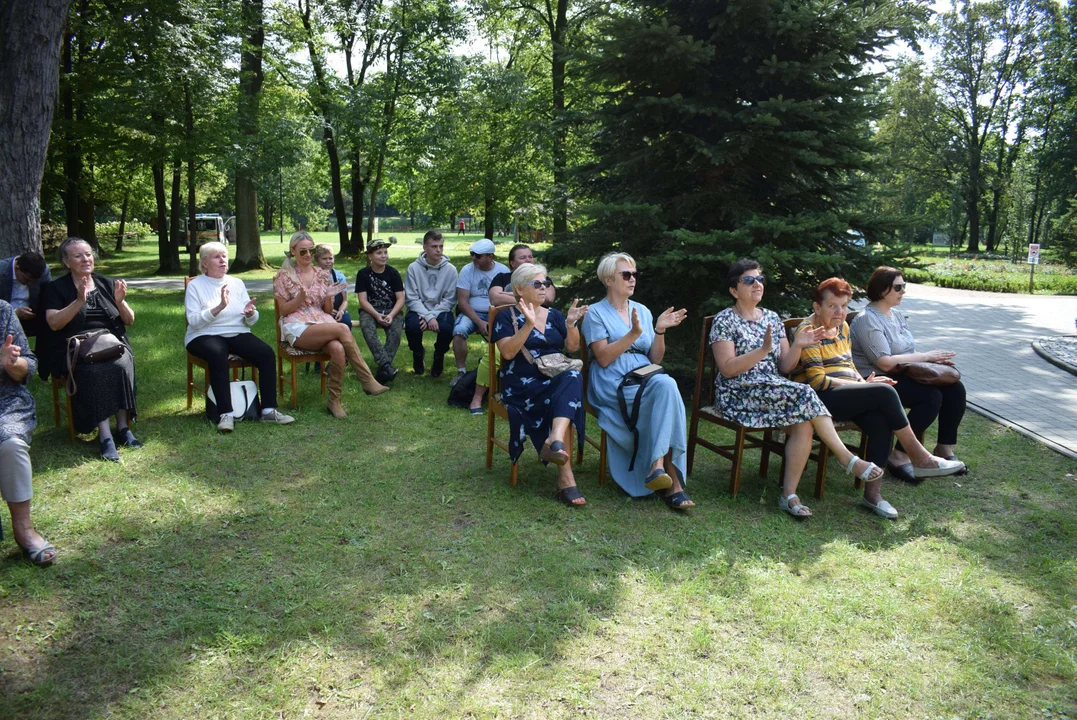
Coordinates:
<point>992,334</point>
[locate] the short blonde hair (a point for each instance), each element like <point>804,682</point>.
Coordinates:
<point>208,249</point>
<point>607,266</point>
<point>525,274</point>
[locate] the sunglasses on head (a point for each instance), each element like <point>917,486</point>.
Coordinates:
<point>538,284</point>
<point>899,287</point>
<point>630,275</point>
<point>750,280</point>
<point>303,252</point>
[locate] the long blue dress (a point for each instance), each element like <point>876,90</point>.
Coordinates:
<point>662,417</point>
<point>532,399</point>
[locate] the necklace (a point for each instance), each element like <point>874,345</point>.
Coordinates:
<point>756,314</point>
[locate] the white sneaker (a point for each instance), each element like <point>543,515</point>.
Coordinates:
<point>278,418</point>
<point>945,467</point>
<point>227,423</point>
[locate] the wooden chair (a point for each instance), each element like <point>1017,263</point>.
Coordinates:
<point>58,388</point>
<point>589,409</point>
<point>294,356</point>
<point>235,362</point>
<point>496,409</point>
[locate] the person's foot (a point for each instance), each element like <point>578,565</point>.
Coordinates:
<point>227,424</point>
<point>569,494</point>
<point>276,417</point>
<point>459,374</point>
<point>417,364</point>
<point>898,458</point>
<point>127,438</point>
<point>380,376</point>
<point>438,365</point>
<point>108,450</point>
<point>37,549</point>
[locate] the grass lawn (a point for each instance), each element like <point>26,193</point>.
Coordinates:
<point>374,567</point>
<point>970,272</point>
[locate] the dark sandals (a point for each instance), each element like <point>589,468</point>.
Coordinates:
<point>678,501</point>
<point>555,453</point>
<point>567,495</point>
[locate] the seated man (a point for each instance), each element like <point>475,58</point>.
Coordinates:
<point>501,294</point>
<point>430,291</point>
<point>381,298</point>
<point>473,300</point>
<point>21,279</point>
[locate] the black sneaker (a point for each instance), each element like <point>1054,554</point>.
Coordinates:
<point>389,372</point>
<point>417,362</point>
<point>438,366</point>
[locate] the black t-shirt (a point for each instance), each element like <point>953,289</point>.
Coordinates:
<point>380,288</point>
<point>504,281</point>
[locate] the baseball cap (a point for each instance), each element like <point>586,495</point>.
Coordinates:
<point>483,247</point>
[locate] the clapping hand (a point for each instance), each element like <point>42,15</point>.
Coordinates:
<point>248,309</point>
<point>575,313</point>
<point>528,311</point>
<point>637,328</point>
<point>670,318</point>
<point>224,300</point>
<point>83,288</point>
<point>302,296</point>
<point>121,291</point>
<point>768,340</point>
<point>10,353</point>
<point>809,337</point>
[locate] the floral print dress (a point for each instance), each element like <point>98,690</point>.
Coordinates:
<point>760,397</point>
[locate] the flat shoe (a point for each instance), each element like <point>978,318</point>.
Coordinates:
<point>659,479</point>
<point>883,509</point>
<point>567,495</point>
<point>902,472</point>
<point>946,467</point>
<point>108,450</point>
<point>959,472</point>
<point>475,411</point>
<point>678,501</point>
<point>37,557</point>
<point>555,453</point>
<point>128,439</point>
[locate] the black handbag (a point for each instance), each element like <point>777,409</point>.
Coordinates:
<point>91,347</point>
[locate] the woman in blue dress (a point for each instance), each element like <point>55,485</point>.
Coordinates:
<point>540,407</point>
<point>622,337</point>
<point>750,387</point>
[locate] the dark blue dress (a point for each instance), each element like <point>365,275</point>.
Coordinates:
<point>532,399</point>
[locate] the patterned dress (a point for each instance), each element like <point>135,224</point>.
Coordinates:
<point>17,412</point>
<point>532,399</point>
<point>285,287</point>
<point>760,397</point>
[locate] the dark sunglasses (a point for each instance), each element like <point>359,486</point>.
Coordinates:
<point>900,287</point>
<point>630,275</point>
<point>750,280</point>
<point>303,252</point>
<point>539,284</point>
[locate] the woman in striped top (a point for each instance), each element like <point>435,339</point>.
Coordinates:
<point>871,403</point>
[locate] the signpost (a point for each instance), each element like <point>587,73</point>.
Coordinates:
<point>1033,261</point>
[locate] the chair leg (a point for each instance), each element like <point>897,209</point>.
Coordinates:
<point>692,430</point>
<point>295,388</point>
<point>514,473</point>
<point>862,452</point>
<point>764,456</point>
<point>280,375</point>
<point>489,437</point>
<point>820,470</point>
<point>190,384</point>
<point>70,419</point>
<point>738,459</point>
<point>602,459</point>
<point>56,402</point>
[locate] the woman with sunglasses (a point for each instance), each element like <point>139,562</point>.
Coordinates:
<point>750,387</point>
<point>881,339</point>
<point>304,293</point>
<point>540,407</point>
<point>622,337</point>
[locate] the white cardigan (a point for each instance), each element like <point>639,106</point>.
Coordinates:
<point>204,294</point>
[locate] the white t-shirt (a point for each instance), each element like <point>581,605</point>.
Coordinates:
<point>477,283</point>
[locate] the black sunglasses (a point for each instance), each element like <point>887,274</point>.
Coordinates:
<point>750,280</point>
<point>630,275</point>
<point>538,284</point>
<point>900,287</point>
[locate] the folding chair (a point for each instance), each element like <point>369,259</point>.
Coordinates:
<point>235,362</point>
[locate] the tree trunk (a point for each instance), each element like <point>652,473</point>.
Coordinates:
<point>249,254</point>
<point>560,130</point>
<point>123,218</point>
<point>164,242</point>
<point>972,199</point>
<point>192,210</point>
<point>171,264</point>
<point>31,35</point>
<point>488,212</point>
<point>72,150</point>
<point>355,242</point>
<point>374,186</point>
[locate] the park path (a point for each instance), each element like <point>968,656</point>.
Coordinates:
<point>991,333</point>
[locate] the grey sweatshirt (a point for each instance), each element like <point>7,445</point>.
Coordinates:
<point>430,290</point>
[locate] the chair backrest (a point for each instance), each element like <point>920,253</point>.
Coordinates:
<point>791,324</point>
<point>494,382</point>
<point>186,281</point>
<point>585,356</point>
<point>705,369</point>
<point>276,321</point>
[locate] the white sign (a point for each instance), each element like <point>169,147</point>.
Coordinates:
<point>1034,254</point>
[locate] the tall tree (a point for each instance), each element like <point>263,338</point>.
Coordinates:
<point>248,238</point>
<point>31,34</point>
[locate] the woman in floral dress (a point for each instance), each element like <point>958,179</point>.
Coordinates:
<point>751,390</point>
<point>540,407</point>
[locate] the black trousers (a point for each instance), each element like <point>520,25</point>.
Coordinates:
<point>414,333</point>
<point>875,407</point>
<point>214,349</point>
<point>927,402</point>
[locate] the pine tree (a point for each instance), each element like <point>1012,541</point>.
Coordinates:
<point>737,128</point>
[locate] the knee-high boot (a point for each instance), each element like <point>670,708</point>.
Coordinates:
<point>335,383</point>
<point>366,379</point>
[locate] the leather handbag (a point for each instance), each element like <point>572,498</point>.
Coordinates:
<point>91,347</point>
<point>551,364</point>
<point>925,373</point>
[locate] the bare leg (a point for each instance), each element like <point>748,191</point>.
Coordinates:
<point>558,428</point>
<point>566,479</point>
<point>459,350</point>
<point>476,399</point>
<point>318,335</point>
<point>824,427</point>
<point>25,534</point>
<point>797,449</point>
<point>945,450</point>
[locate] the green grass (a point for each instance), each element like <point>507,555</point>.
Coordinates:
<point>374,567</point>
<point>971,272</point>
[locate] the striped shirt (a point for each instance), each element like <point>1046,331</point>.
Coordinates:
<point>829,359</point>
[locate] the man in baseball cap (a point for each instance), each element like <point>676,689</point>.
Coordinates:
<point>473,300</point>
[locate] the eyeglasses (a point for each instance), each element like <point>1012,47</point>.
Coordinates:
<point>900,287</point>
<point>630,275</point>
<point>750,280</point>
<point>479,255</point>
<point>303,252</point>
<point>539,284</point>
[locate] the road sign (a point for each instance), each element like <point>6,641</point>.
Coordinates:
<point>1033,253</point>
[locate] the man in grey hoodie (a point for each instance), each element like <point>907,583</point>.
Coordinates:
<point>430,293</point>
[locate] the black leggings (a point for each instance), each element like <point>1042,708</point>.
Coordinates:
<point>875,407</point>
<point>214,349</point>
<point>927,402</point>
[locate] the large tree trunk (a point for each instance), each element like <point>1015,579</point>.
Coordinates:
<point>31,33</point>
<point>334,177</point>
<point>972,199</point>
<point>355,241</point>
<point>248,240</point>
<point>171,232</point>
<point>488,213</point>
<point>374,186</point>
<point>123,218</point>
<point>192,210</point>
<point>560,130</point>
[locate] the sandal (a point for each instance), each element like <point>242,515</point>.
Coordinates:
<point>799,511</point>
<point>678,501</point>
<point>37,557</point>
<point>871,473</point>
<point>568,494</point>
<point>555,453</point>
<point>659,479</point>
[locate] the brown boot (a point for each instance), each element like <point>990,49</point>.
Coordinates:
<point>366,378</point>
<point>335,383</point>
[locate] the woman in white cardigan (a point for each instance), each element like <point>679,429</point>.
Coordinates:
<point>219,319</point>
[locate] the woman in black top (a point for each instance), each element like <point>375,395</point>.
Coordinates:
<point>76,303</point>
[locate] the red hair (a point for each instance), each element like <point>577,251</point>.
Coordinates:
<point>835,286</point>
